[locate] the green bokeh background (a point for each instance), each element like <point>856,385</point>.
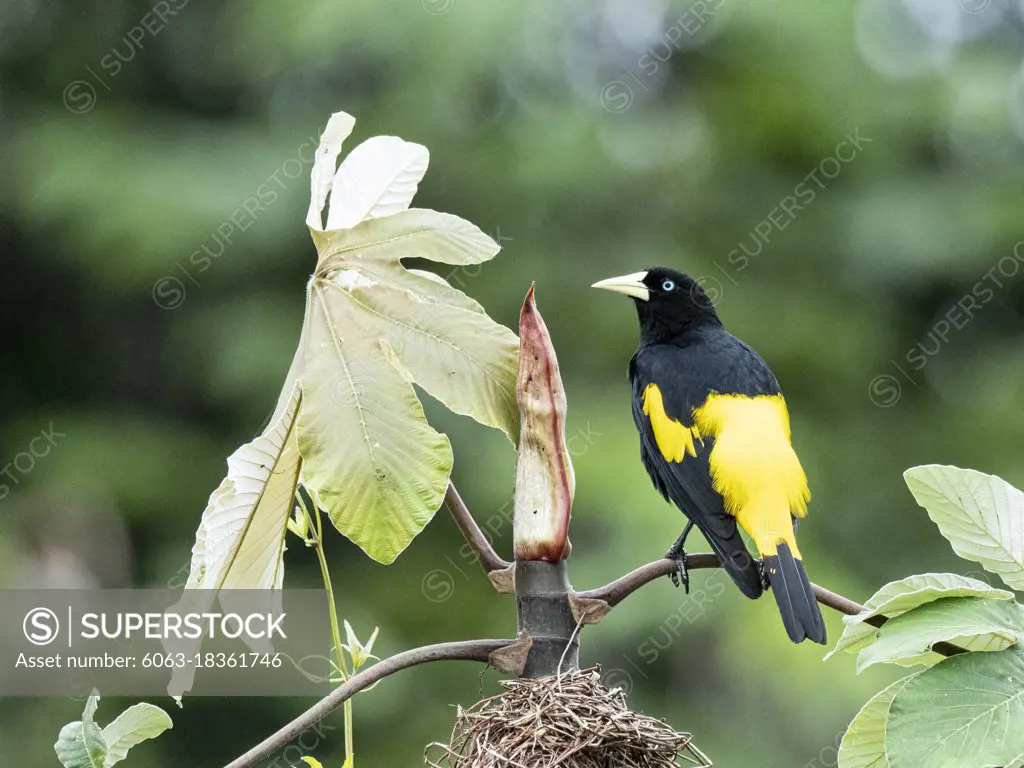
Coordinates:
<point>594,139</point>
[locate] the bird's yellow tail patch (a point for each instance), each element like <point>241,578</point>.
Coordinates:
<point>675,440</point>
<point>754,466</point>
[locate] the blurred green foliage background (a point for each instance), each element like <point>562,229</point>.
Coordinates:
<point>593,139</point>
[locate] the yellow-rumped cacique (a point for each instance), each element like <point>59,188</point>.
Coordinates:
<point>715,439</point>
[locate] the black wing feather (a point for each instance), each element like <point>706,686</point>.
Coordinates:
<point>685,376</point>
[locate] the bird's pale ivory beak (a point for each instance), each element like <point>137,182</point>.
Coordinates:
<point>630,285</point>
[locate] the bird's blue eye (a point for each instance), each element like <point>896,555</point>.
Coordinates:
<point>668,286</point>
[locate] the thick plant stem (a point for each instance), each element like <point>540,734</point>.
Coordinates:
<point>544,614</point>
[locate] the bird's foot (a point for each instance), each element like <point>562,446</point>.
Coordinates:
<point>681,575</point>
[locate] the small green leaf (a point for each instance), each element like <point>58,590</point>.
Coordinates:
<point>981,515</point>
<point>313,762</point>
<point>863,743</point>
<point>359,653</point>
<point>136,724</point>
<point>898,597</point>
<point>91,705</point>
<point>964,712</point>
<point>81,745</point>
<point>973,623</point>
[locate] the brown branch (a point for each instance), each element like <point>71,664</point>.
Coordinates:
<point>471,650</point>
<point>614,593</point>
<point>475,537</point>
<point>499,572</point>
<point>620,589</point>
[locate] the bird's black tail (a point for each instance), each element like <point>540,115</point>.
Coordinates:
<point>794,596</point>
<point>737,562</point>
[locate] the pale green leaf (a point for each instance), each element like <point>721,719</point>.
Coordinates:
<point>964,712</point>
<point>972,622</point>
<point>378,178</point>
<point>369,455</point>
<point>359,653</point>
<point>1017,762</point>
<point>898,597</point>
<point>339,127</point>
<point>415,233</point>
<point>374,329</point>
<point>313,762</point>
<point>91,705</point>
<point>240,541</point>
<point>241,538</point>
<point>81,745</point>
<point>863,744</point>
<point>981,515</point>
<point>133,726</point>
<point>463,358</point>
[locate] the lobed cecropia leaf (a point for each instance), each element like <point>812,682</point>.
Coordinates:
<point>348,421</point>
<point>544,476</point>
<point>981,515</point>
<point>373,329</point>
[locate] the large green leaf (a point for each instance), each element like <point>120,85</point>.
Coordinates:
<point>965,712</point>
<point>133,726</point>
<point>863,743</point>
<point>348,421</point>
<point>373,329</point>
<point>898,597</point>
<point>970,622</point>
<point>981,515</point>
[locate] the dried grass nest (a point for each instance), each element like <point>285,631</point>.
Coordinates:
<point>570,720</point>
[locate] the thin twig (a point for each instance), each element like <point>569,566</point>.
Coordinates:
<point>475,537</point>
<point>471,650</point>
<point>618,590</point>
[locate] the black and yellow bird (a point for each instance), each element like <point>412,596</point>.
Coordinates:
<point>715,439</point>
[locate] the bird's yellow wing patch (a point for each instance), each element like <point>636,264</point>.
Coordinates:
<point>675,440</point>
<point>754,467</point>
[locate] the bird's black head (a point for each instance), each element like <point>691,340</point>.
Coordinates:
<point>668,303</point>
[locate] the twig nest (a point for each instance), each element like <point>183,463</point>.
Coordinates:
<point>571,720</point>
